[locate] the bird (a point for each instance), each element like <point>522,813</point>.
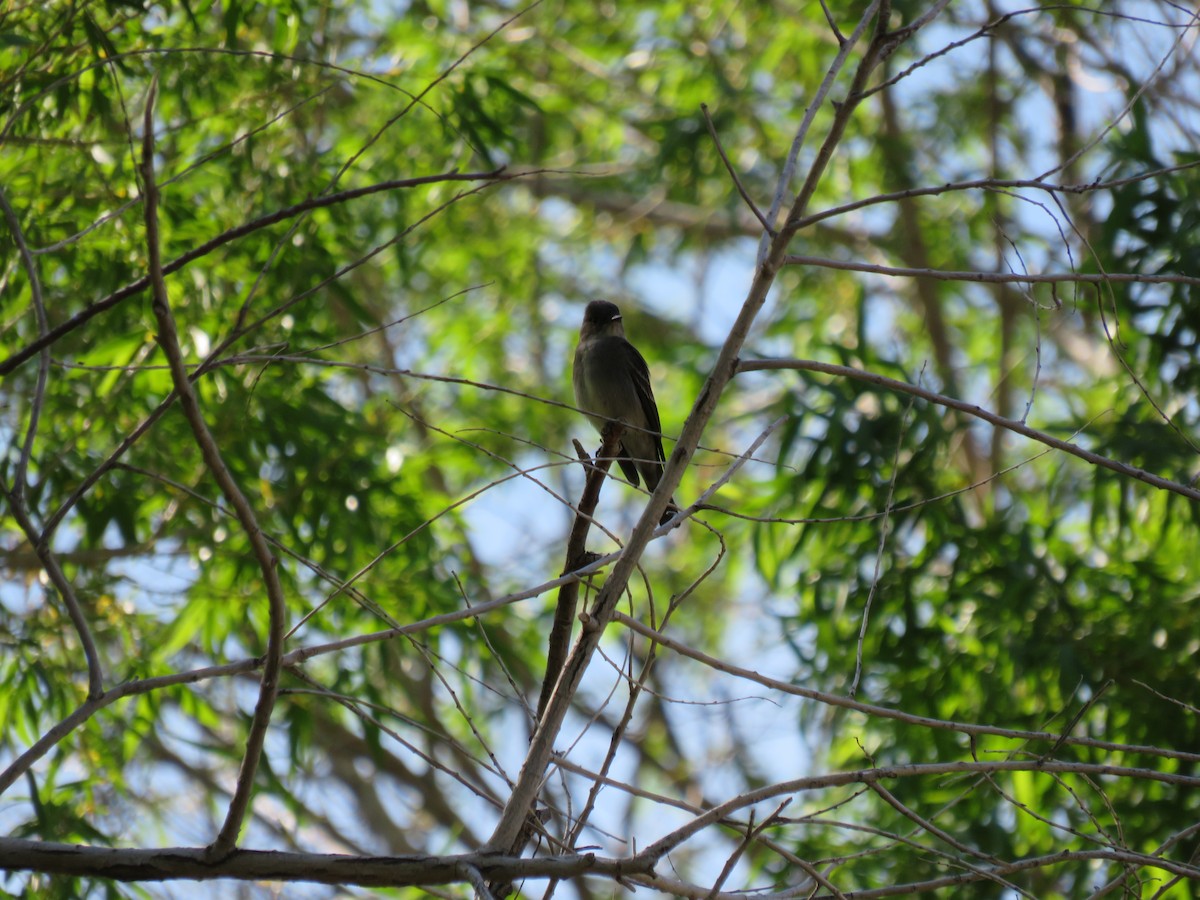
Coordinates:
<point>612,384</point>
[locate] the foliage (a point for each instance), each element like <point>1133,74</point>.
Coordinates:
<point>386,375</point>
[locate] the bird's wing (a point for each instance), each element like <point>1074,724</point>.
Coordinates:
<point>645,394</point>
<point>627,467</point>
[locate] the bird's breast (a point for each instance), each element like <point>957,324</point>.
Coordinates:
<point>603,385</point>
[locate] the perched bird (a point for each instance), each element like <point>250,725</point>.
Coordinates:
<point>612,383</point>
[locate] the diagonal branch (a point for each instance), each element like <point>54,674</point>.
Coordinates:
<point>507,832</point>
<point>845,46</point>
<point>636,686</point>
<point>168,339</point>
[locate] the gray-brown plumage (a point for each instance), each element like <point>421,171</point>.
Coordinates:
<point>612,383</point>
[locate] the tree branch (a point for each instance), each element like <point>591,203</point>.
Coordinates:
<point>971,409</point>
<point>168,339</point>
<point>16,494</point>
<point>737,182</point>
<point>568,593</point>
<point>669,842</point>
<point>194,864</point>
<point>993,277</point>
<point>884,712</point>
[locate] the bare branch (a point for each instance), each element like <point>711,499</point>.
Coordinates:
<point>833,26</point>
<point>16,494</point>
<point>1130,103</point>
<point>665,845</point>
<point>845,45</point>
<point>992,184</point>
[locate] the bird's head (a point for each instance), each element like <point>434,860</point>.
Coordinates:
<point>601,318</point>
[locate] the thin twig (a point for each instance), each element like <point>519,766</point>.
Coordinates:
<point>475,878</point>
<point>1070,726</point>
<point>66,591</point>
<point>883,533</point>
<point>727,475</point>
<point>993,277</point>
<point>737,182</point>
<point>232,234</point>
<point>39,309</point>
<point>1130,104</point>
<point>971,409</point>
<point>752,832</point>
<point>993,184</point>
<point>354,706</point>
<point>941,834</point>
<point>842,702</point>
<point>837,32</point>
<point>876,775</point>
